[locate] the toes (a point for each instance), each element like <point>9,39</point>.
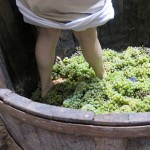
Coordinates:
<point>61,80</point>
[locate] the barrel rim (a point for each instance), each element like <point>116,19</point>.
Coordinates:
<point>12,115</point>
<point>68,115</point>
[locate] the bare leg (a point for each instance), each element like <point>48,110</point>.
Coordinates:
<point>91,50</point>
<point>45,55</point>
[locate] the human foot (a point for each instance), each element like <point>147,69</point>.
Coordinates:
<point>102,74</point>
<point>45,91</point>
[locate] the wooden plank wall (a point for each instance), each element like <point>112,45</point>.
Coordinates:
<point>130,27</point>
<point>6,142</point>
<point>111,34</point>
<point>5,81</point>
<point>17,41</point>
<point>136,22</point>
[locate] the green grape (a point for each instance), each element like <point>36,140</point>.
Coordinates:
<point>88,107</point>
<point>125,108</point>
<point>125,89</point>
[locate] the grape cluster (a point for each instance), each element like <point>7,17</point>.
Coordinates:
<point>125,89</point>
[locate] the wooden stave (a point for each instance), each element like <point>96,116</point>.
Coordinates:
<point>89,126</point>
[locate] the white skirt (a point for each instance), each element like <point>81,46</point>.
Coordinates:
<point>87,17</point>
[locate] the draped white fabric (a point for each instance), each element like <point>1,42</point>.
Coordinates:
<point>92,20</point>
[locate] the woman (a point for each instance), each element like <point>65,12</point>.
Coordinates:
<point>80,16</point>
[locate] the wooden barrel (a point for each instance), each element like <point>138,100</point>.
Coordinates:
<point>36,126</point>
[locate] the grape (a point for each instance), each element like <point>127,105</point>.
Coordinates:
<point>125,89</point>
